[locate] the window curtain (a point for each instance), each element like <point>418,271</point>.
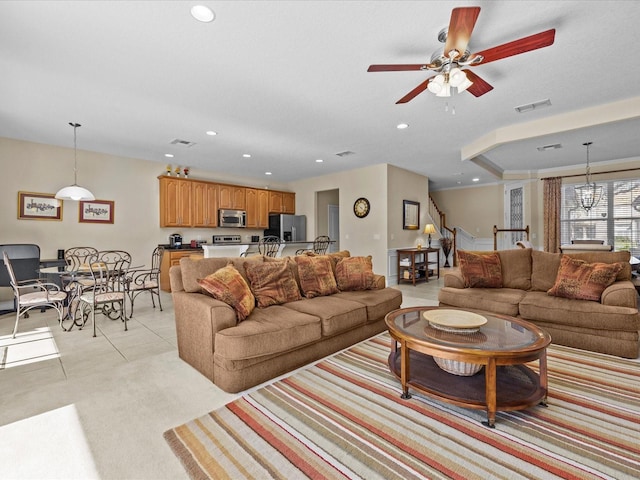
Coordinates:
<point>552,204</point>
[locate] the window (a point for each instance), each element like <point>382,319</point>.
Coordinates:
<point>616,219</point>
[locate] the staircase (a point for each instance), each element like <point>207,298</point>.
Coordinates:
<point>449,235</point>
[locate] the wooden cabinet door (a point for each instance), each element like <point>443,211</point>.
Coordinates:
<point>175,202</point>
<point>239,198</point>
<point>225,196</point>
<point>252,207</point>
<point>288,202</point>
<point>205,204</point>
<point>263,209</point>
<point>275,202</point>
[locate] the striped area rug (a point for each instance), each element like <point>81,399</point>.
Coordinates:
<point>344,418</point>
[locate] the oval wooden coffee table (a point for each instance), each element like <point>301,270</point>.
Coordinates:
<point>502,346</point>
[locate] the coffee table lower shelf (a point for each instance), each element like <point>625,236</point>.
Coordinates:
<point>517,386</point>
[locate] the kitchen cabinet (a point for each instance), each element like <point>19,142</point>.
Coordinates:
<point>205,204</point>
<point>175,202</point>
<point>257,202</point>
<point>232,196</point>
<point>282,202</point>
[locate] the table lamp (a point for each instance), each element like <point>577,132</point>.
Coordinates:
<point>429,228</point>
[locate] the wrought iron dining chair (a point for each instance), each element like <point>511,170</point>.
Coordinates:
<point>109,270</point>
<point>320,246</point>
<point>33,293</point>
<point>76,257</point>
<point>269,246</point>
<point>146,280</point>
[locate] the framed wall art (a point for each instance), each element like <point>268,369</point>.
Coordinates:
<point>96,211</point>
<point>410,215</point>
<point>39,206</point>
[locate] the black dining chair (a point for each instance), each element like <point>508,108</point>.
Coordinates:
<point>146,280</point>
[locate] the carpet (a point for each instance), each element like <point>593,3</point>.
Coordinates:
<point>344,418</point>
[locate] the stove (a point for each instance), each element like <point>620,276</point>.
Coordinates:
<point>226,239</point>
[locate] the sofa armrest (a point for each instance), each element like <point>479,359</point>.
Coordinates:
<point>620,294</point>
<point>454,280</point>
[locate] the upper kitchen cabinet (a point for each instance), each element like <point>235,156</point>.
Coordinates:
<point>232,196</point>
<point>175,202</point>
<point>205,204</point>
<point>282,202</point>
<point>257,208</point>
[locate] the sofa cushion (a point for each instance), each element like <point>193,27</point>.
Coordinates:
<point>316,275</point>
<point>267,331</point>
<point>355,273</point>
<point>378,302</point>
<point>272,283</point>
<point>516,268</point>
<point>480,270</point>
<point>503,300</point>
<point>336,314</point>
<point>226,284</point>
<point>544,270</point>
<point>622,257</point>
<point>580,280</point>
<point>538,306</point>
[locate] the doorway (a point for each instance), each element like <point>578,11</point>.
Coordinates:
<point>328,216</point>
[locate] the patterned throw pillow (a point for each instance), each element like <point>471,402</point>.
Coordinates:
<point>316,275</point>
<point>227,285</point>
<point>272,283</point>
<point>480,271</point>
<point>580,280</point>
<point>355,273</point>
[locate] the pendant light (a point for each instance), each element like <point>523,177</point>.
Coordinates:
<point>75,191</point>
<point>589,194</point>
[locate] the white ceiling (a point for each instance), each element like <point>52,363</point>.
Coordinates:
<point>287,82</point>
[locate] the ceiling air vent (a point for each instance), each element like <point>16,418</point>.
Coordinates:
<point>533,106</point>
<point>346,153</point>
<point>183,143</point>
<point>544,148</point>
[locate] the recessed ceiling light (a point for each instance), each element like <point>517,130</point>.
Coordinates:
<point>168,155</point>
<point>319,160</point>
<point>267,173</point>
<point>402,126</point>
<point>202,13</point>
<point>475,179</point>
<point>211,132</point>
<point>246,155</point>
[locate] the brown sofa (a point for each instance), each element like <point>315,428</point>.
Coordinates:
<point>272,340</point>
<point>608,326</point>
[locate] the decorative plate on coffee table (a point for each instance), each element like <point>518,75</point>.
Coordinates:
<point>454,321</point>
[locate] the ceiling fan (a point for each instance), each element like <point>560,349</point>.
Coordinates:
<point>450,63</point>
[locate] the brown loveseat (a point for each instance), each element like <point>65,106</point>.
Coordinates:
<point>274,340</point>
<point>608,326</point>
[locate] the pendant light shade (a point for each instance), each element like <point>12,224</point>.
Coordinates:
<point>589,194</point>
<point>75,191</point>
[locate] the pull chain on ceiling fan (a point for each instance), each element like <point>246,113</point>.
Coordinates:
<point>453,62</point>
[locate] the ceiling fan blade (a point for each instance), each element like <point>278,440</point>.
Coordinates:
<point>460,27</point>
<point>479,87</point>
<point>414,93</point>
<point>526,44</point>
<point>396,68</point>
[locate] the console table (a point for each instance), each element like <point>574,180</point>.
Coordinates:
<point>413,264</point>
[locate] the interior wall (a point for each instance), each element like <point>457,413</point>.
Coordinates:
<point>361,236</point>
<point>406,185</point>
<point>131,183</point>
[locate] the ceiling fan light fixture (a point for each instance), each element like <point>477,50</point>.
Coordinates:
<point>457,77</point>
<point>445,91</point>
<point>464,85</point>
<point>436,84</point>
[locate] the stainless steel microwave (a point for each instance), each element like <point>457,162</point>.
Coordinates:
<point>232,218</point>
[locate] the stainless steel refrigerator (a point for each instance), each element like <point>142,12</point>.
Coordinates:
<point>290,228</point>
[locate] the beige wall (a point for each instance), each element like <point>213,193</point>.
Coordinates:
<point>405,185</point>
<point>131,183</point>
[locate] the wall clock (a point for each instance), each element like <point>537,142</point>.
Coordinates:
<point>361,207</point>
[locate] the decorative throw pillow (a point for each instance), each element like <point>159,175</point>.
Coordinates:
<point>355,273</point>
<point>227,285</point>
<point>272,283</point>
<point>580,280</point>
<point>480,270</point>
<point>316,275</point>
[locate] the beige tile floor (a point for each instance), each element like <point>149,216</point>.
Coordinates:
<point>74,406</point>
